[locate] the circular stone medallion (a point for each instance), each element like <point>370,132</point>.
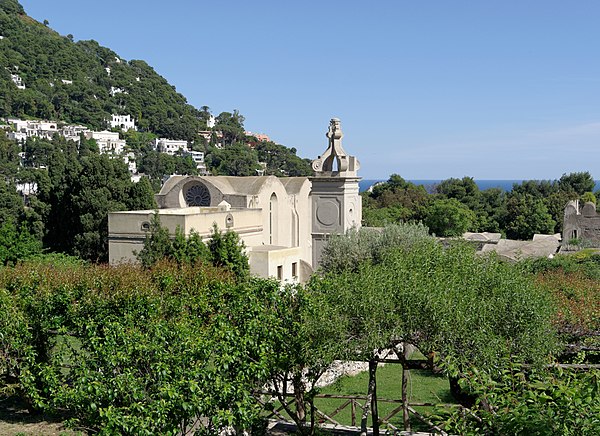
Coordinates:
<point>328,212</point>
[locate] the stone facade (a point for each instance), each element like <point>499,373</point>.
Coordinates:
<point>284,222</point>
<point>581,223</point>
<point>336,203</point>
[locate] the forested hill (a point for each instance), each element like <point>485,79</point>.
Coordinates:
<point>83,82</point>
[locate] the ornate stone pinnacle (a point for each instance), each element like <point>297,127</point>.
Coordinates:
<point>325,165</point>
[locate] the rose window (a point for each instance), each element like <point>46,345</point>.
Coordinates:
<point>197,195</point>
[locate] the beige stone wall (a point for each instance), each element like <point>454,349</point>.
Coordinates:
<point>273,217</point>
<point>280,263</point>
<point>127,230</point>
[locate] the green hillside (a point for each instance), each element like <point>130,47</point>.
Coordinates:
<point>84,83</point>
<point>44,59</point>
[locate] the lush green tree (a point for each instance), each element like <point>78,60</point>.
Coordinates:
<point>15,344</point>
<point>158,165</point>
<point>394,201</point>
<point>472,309</point>
<point>11,204</point>
<point>369,246</point>
<point>526,216</point>
<point>459,189</point>
<point>536,188</point>
<point>490,210</point>
<point>282,161</point>
<point>382,216</point>
<point>581,182</point>
<point>76,196</point>
<point>467,311</point>
<point>154,349</point>
<point>103,186</point>
<point>141,195</point>
<point>235,160</point>
<point>488,205</point>
<point>157,245</point>
<point>520,401</point>
<point>191,249</point>
<point>17,244</point>
<point>139,142</point>
<point>185,165</point>
<point>555,203</point>
<point>224,250</point>
<point>449,217</point>
<point>231,125</point>
<point>308,339</point>
<point>12,6</point>
<point>9,158</point>
<point>227,251</point>
<point>588,197</point>
<point>37,152</point>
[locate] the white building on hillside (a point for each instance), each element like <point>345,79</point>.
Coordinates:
<point>123,122</point>
<point>17,81</point>
<point>129,159</point>
<point>16,136</point>
<point>73,132</point>
<point>170,146</point>
<point>198,158</point>
<point>23,129</point>
<point>211,122</point>
<point>108,142</point>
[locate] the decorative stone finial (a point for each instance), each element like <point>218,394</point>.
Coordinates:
<point>325,165</point>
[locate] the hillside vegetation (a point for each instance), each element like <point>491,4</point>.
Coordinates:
<point>84,83</point>
<point>44,59</point>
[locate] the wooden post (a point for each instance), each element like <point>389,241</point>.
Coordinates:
<point>405,411</point>
<point>365,414</point>
<point>353,412</point>
<point>373,390</point>
<point>312,415</point>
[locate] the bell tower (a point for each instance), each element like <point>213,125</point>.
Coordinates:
<point>336,204</point>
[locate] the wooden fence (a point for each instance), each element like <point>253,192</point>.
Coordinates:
<point>362,406</point>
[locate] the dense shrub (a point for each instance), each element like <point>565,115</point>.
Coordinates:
<point>132,351</point>
<point>530,403</point>
<point>446,300</point>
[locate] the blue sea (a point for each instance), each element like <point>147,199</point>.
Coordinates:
<point>505,185</point>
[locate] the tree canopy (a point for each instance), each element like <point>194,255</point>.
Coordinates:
<point>457,205</point>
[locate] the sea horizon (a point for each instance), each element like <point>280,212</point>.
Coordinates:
<point>483,184</point>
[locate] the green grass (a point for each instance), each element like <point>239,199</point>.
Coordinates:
<point>424,387</point>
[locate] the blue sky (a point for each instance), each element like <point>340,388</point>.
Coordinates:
<point>426,89</point>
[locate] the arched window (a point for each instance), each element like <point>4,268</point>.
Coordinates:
<point>197,195</point>
<point>273,219</point>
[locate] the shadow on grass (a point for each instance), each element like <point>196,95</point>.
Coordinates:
<point>14,411</point>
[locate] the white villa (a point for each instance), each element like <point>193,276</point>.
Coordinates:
<point>108,142</point>
<point>23,129</point>
<point>170,146</point>
<point>18,81</point>
<point>198,158</point>
<point>123,122</point>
